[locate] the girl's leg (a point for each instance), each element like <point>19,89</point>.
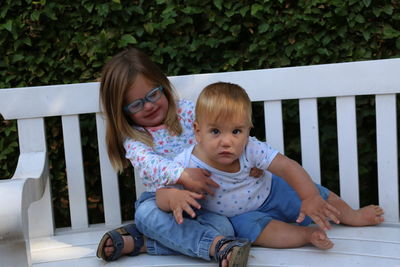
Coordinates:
<point>194,237</point>
<point>279,234</point>
<point>368,215</point>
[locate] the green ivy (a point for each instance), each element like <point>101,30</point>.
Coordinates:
<point>60,42</point>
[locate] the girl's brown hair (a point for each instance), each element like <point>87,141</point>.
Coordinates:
<point>223,101</point>
<point>118,76</point>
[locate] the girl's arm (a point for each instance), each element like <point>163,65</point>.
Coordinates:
<point>159,171</point>
<point>313,204</point>
<point>176,200</point>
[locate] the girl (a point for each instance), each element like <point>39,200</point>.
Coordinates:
<point>146,127</point>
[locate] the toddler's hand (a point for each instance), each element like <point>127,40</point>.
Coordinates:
<point>319,210</point>
<point>256,173</point>
<point>197,180</point>
<point>184,200</point>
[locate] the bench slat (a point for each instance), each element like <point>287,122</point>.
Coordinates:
<point>75,174</point>
<point>388,176</point>
<point>274,124</point>
<point>347,150</point>
<point>109,178</point>
<point>310,138</point>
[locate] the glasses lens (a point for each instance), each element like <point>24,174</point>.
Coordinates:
<point>154,94</point>
<point>135,106</point>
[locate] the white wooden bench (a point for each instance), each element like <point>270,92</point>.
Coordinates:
<point>27,233</point>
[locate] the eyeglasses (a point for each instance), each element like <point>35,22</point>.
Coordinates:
<point>138,104</point>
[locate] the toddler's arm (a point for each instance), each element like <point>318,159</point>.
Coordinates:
<point>176,200</point>
<point>313,204</point>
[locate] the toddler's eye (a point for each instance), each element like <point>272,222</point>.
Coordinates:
<point>214,131</point>
<point>236,131</point>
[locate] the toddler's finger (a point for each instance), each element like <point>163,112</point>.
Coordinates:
<point>301,217</point>
<point>192,202</point>
<point>322,223</point>
<point>206,172</point>
<point>211,182</point>
<point>178,215</point>
<point>189,211</point>
<point>333,209</point>
<point>332,216</point>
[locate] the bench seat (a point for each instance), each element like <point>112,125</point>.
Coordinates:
<point>354,246</point>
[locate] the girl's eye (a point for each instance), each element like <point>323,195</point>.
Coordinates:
<point>215,131</point>
<point>236,131</point>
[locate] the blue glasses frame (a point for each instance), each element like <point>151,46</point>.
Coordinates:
<point>138,104</point>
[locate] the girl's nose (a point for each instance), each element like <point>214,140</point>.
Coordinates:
<point>148,105</point>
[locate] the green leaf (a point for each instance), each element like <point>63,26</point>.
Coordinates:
<point>8,25</point>
<point>149,27</point>
<point>389,32</point>
<point>35,15</point>
<point>359,19</point>
<point>255,8</point>
<point>218,4</point>
<point>388,9</point>
<point>367,3</point>
<point>127,39</point>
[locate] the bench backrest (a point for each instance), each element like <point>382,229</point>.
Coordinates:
<point>342,81</point>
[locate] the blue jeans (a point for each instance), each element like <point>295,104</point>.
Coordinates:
<point>166,237</point>
<point>282,204</point>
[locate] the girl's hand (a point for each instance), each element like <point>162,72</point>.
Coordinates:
<point>184,200</point>
<point>197,180</point>
<point>319,210</point>
<point>256,173</point>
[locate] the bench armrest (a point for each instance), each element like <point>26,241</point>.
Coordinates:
<point>18,193</point>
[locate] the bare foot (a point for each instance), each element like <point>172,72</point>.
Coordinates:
<point>368,215</point>
<point>319,239</point>
<point>129,245</point>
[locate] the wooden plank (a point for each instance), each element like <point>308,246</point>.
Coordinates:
<point>339,79</point>
<point>75,174</point>
<point>326,80</point>
<point>388,176</point>
<point>309,137</point>
<point>109,178</point>
<point>274,124</point>
<point>354,246</point>
<point>53,100</point>
<point>347,150</point>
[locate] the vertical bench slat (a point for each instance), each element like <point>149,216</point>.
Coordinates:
<point>347,150</point>
<point>310,138</point>
<point>274,124</point>
<point>75,174</point>
<point>109,178</point>
<point>388,177</point>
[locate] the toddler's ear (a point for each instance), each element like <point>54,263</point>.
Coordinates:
<point>196,129</point>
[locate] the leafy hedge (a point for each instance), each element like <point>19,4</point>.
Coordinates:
<point>57,42</point>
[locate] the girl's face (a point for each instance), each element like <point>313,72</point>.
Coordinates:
<point>153,113</point>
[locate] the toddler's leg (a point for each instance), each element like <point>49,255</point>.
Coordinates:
<point>279,234</point>
<point>368,215</point>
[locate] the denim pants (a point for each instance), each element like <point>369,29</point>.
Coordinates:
<point>166,237</point>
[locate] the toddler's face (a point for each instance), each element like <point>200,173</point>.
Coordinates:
<point>153,113</point>
<point>222,142</point>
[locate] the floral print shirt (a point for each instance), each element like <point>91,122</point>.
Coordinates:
<point>238,192</point>
<point>155,164</point>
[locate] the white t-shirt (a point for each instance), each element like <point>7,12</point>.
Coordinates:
<point>238,192</point>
